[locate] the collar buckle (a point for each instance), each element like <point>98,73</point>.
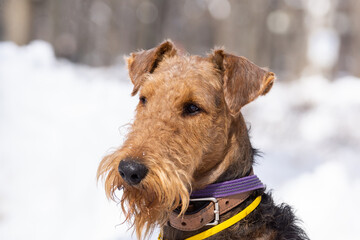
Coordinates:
<point>216,208</point>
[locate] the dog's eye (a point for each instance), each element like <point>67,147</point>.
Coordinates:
<point>191,109</point>
<point>143,100</point>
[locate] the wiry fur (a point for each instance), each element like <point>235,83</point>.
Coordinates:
<point>185,152</point>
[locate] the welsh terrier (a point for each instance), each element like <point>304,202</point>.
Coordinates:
<point>186,165</point>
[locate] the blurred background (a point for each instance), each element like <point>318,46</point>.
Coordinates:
<point>289,36</point>
<point>65,103</point>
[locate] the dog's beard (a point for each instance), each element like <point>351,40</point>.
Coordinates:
<point>148,204</point>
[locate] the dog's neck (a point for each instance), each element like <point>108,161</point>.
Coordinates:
<point>243,158</point>
<point>236,160</point>
<point>243,155</point>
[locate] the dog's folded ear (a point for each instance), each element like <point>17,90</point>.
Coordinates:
<point>243,80</point>
<point>146,61</point>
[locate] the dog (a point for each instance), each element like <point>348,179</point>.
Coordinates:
<point>186,163</point>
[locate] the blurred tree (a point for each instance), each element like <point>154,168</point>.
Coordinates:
<point>280,34</point>
<point>347,24</point>
<point>17,17</point>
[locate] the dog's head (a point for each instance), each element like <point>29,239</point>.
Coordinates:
<point>188,129</point>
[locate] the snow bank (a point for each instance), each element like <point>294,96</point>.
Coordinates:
<point>307,131</point>
<point>57,120</point>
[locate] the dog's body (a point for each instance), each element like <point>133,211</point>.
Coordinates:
<point>189,133</point>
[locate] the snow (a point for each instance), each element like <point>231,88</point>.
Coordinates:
<point>308,132</point>
<point>57,120</point>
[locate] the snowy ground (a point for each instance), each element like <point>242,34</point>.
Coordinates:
<point>57,120</point>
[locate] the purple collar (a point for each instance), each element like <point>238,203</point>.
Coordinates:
<point>228,188</point>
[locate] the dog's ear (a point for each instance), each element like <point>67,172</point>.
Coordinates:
<point>243,80</point>
<point>146,61</point>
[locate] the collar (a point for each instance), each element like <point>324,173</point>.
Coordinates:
<point>226,224</point>
<point>228,188</point>
<point>221,198</point>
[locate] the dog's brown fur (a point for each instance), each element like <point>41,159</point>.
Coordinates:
<point>182,151</point>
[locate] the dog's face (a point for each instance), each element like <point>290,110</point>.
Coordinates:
<point>183,134</point>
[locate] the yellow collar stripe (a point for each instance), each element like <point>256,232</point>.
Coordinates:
<point>226,224</point>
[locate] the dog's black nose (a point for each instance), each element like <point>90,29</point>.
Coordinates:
<point>132,171</point>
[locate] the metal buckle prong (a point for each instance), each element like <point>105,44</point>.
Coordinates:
<point>216,209</point>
